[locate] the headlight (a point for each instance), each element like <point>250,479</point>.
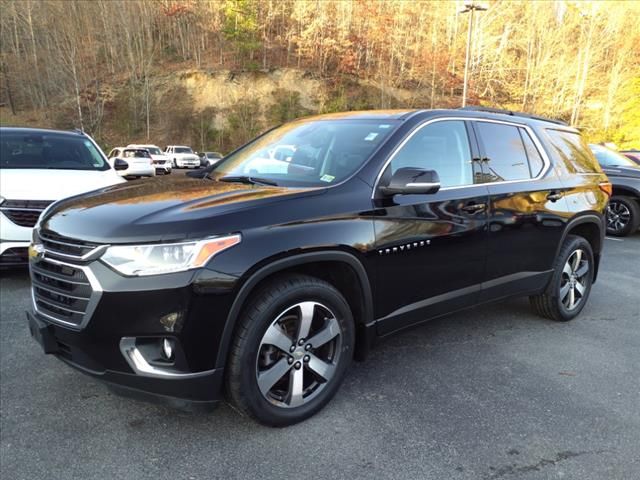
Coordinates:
<point>141,260</point>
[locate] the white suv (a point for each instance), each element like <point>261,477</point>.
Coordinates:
<point>182,156</point>
<point>161,161</point>
<point>38,167</point>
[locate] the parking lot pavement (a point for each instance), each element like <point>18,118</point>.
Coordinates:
<point>491,393</point>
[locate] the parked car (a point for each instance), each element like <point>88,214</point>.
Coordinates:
<point>623,212</point>
<point>132,162</point>
<point>182,156</point>
<point>632,154</point>
<point>161,162</point>
<point>265,287</point>
<point>210,158</point>
<point>38,167</point>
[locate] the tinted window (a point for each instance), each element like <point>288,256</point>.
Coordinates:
<point>441,146</point>
<point>136,154</point>
<point>324,152</point>
<point>505,151</point>
<point>574,152</point>
<point>49,150</point>
<point>533,155</point>
<point>609,158</point>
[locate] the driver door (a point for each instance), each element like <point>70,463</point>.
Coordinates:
<point>431,249</point>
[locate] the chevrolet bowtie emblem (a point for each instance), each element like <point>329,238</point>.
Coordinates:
<point>36,252</point>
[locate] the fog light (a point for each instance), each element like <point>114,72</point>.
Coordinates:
<point>167,348</point>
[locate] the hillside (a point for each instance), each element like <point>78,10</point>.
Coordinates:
<point>215,73</point>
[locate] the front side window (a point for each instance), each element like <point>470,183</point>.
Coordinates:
<point>54,151</point>
<point>317,152</point>
<point>440,146</point>
<point>505,152</point>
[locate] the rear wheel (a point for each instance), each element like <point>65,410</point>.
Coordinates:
<point>291,351</point>
<point>570,285</point>
<point>623,216</point>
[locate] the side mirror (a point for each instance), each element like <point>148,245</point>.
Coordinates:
<point>119,164</point>
<point>412,181</point>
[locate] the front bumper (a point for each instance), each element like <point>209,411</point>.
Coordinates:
<point>187,391</point>
<point>134,308</point>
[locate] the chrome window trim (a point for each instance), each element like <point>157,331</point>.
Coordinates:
<point>530,131</point>
<point>94,298</point>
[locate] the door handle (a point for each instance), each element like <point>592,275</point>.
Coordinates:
<point>554,196</point>
<point>475,207</point>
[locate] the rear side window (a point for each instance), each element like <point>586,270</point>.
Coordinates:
<point>506,152</point>
<point>574,151</point>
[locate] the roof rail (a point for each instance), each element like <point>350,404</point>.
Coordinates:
<point>513,114</point>
<point>79,131</point>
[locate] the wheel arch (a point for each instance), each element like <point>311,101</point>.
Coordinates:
<point>358,294</point>
<point>591,227</point>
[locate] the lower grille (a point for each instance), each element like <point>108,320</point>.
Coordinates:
<point>62,292</point>
<point>24,212</point>
<point>14,256</point>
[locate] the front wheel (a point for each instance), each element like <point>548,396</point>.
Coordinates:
<point>570,284</point>
<point>623,216</point>
<point>291,351</point>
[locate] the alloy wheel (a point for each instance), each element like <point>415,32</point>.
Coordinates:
<point>618,216</point>
<point>574,281</point>
<point>298,354</point>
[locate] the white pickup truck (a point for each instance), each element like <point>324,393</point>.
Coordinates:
<point>182,156</point>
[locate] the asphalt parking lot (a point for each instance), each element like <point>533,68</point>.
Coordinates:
<point>492,393</point>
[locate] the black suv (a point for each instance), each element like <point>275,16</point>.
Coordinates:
<point>266,277</point>
<point>623,212</point>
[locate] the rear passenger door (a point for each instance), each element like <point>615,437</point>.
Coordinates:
<point>527,211</point>
<point>431,248</point>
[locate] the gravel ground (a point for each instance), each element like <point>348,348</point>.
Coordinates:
<point>492,393</point>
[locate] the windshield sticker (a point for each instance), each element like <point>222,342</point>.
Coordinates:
<point>327,178</point>
<point>371,136</point>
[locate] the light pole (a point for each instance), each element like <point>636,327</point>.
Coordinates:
<point>469,7</point>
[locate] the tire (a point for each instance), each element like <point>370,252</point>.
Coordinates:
<point>557,303</point>
<point>261,378</point>
<point>623,216</point>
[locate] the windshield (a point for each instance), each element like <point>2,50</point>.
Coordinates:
<point>57,151</point>
<point>182,150</point>
<point>154,150</point>
<point>308,153</point>
<point>609,158</point>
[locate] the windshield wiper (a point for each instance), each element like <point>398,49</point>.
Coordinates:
<point>248,179</point>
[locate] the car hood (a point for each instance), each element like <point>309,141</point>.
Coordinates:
<point>630,172</point>
<point>160,209</point>
<point>45,184</point>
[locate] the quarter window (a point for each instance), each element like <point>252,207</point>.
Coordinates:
<point>505,151</point>
<point>440,146</point>
<point>535,159</point>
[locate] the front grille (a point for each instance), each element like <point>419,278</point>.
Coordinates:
<point>62,292</point>
<point>24,212</point>
<point>55,244</point>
